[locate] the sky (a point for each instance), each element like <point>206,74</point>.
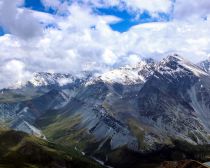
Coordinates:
<point>70,36</point>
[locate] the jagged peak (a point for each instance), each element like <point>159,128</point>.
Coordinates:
<point>205,65</point>
<point>126,75</point>
<point>174,58</point>
<point>149,60</point>
<point>176,63</point>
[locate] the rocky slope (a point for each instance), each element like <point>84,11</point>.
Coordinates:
<point>23,103</point>
<point>205,65</point>
<point>141,108</point>
<point>175,101</point>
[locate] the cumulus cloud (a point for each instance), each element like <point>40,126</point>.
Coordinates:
<point>191,9</point>
<point>189,39</point>
<point>153,7</point>
<point>83,40</point>
<point>59,6</point>
<point>72,47</point>
<point>51,3</point>
<point>18,22</point>
<point>13,71</point>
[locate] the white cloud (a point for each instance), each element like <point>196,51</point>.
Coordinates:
<point>191,9</point>
<point>109,57</point>
<point>190,39</point>
<point>12,72</point>
<point>132,59</point>
<point>41,16</point>
<point>18,22</point>
<point>59,6</point>
<point>152,6</point>
<point>64,49</point>
<point>84,40</point>
<point>51,3</point>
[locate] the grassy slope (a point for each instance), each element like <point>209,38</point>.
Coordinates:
<point>63,129</point>
<point>20,150</point>
<point>13,96</point>
<point>63,126</point>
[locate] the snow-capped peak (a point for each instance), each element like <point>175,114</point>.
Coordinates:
<point>205,65</point>
<point>40,79</point>
<point>127,75</point>
<point>44,79</point>
<point>175,63</point>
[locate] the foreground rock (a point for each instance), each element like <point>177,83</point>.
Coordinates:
<point>183,164</point>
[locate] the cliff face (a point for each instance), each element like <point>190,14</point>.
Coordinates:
<point>141,108</point>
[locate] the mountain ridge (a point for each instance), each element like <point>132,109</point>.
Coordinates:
<point>142,108</point>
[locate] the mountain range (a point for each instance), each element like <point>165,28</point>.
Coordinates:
<point>154,110</point>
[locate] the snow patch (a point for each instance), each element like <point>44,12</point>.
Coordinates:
<point>127,75</point>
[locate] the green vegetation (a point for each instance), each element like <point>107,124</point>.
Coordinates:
<point>12,97</point>
<point>20,95</point>
<point>196,152</point>
<point>137,131</point>
<point>59,127</point>
<point>19,150</point>
<point>65,129</point>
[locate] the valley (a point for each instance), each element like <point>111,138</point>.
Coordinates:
<point>134,116</point>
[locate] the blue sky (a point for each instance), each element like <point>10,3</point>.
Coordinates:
<point>128,18</point>
<point>69,36</point>
<point>38,6</point>
<point>1,32</point>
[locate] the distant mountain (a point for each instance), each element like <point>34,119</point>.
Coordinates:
<point>174,102</point>
<point>146,108</point>
<point>205,65</point>
<point>24,102</point>
<point>128,75</point>
<point>52,80</point>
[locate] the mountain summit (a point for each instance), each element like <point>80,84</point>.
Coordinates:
<point>143,108</point>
